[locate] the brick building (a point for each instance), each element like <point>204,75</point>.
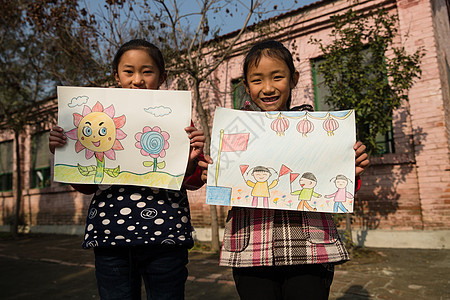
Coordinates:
<point>405,197</point>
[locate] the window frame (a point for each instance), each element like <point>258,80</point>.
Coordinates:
<point>6,178</point>
<point>36,181</point>
<point>240,95</point>
<point>387,141</point>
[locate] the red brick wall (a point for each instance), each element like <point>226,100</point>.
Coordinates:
<point>428,116</point>
<point>50,206</point>
<point>201,213</point>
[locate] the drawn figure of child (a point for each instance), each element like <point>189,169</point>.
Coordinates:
<point>140,233</point>
<point>308,181</point>
<point>341,195</point>
<point>261,187</point>
<point>280,254</point>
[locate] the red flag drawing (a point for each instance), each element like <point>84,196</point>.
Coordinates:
<point>235,142</point>
<point>284,170</point>
<point>243,168</point>
<point>293,176</point>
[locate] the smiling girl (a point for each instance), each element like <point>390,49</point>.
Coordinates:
<point>277,254</point>
<point>147,239</point>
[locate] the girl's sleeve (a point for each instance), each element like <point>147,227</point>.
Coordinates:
<point>357,183</point>
<point>194,181</point>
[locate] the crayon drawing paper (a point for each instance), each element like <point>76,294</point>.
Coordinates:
<point>293,160</point>
<point>123,136</point>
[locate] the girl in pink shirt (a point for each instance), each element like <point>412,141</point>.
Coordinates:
<point>341,195</point>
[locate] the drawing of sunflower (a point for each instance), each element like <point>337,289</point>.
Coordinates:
<point>98,132</point>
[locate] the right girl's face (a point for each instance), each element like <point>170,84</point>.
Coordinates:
<point>269,84</point>
<point>138,70</point>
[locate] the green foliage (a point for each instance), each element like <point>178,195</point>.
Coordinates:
<point>360,75</point>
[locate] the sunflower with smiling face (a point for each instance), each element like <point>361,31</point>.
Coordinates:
<point>98,132</point>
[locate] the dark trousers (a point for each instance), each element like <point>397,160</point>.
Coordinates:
<point>308,282</point>
<point>120,271</point>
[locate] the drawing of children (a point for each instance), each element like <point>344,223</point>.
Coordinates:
<point>261,187</point>
<point>341,195</point>
<point>308,181</point>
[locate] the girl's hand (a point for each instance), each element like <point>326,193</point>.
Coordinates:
<point>197,138</point>
<point>197,142</point>
<point>204,166</point>
<point>361,158</point>
<point>56,139</point>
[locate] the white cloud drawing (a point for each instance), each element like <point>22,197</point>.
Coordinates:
<point>78,101</point>
<point>159,111</point>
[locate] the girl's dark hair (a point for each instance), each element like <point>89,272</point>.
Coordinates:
<point>271,49</point>
<point>303,107</point>
<point>139,44</point>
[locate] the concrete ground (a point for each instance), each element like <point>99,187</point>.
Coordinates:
<point>55,267</point>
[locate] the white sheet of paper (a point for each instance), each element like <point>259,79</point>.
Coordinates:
<point>123,136</point>
<point>292,160</point>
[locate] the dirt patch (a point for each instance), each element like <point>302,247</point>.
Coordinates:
<point>363,256</point>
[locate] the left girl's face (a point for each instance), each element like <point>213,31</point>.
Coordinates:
<point>137,70</point>
<point>269,84</point>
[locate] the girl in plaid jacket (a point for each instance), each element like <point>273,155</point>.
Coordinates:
<point>277,254</point>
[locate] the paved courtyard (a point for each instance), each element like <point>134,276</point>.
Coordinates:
<point>55,267</point>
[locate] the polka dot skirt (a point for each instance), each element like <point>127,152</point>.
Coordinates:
<point>132,215</point>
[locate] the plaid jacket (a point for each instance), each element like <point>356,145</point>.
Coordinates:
<point>265,237</point>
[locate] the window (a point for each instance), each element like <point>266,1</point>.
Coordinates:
<point>6,166</point>
<point>386,142</point>
<point>240,95</point>
<point>40,161</point>
<point>320,89</point>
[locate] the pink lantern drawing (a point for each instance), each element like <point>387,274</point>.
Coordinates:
<point>305,126</point>
<point>280,125</point>
<point>330,125</point>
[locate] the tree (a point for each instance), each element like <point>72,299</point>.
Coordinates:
<point>21,77</point>
<point>35,38</point>
<point>191,56</point>
<point>359,74</point>
<point>47,43</point>
<point>73,53</point>
<point>67,44</point>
